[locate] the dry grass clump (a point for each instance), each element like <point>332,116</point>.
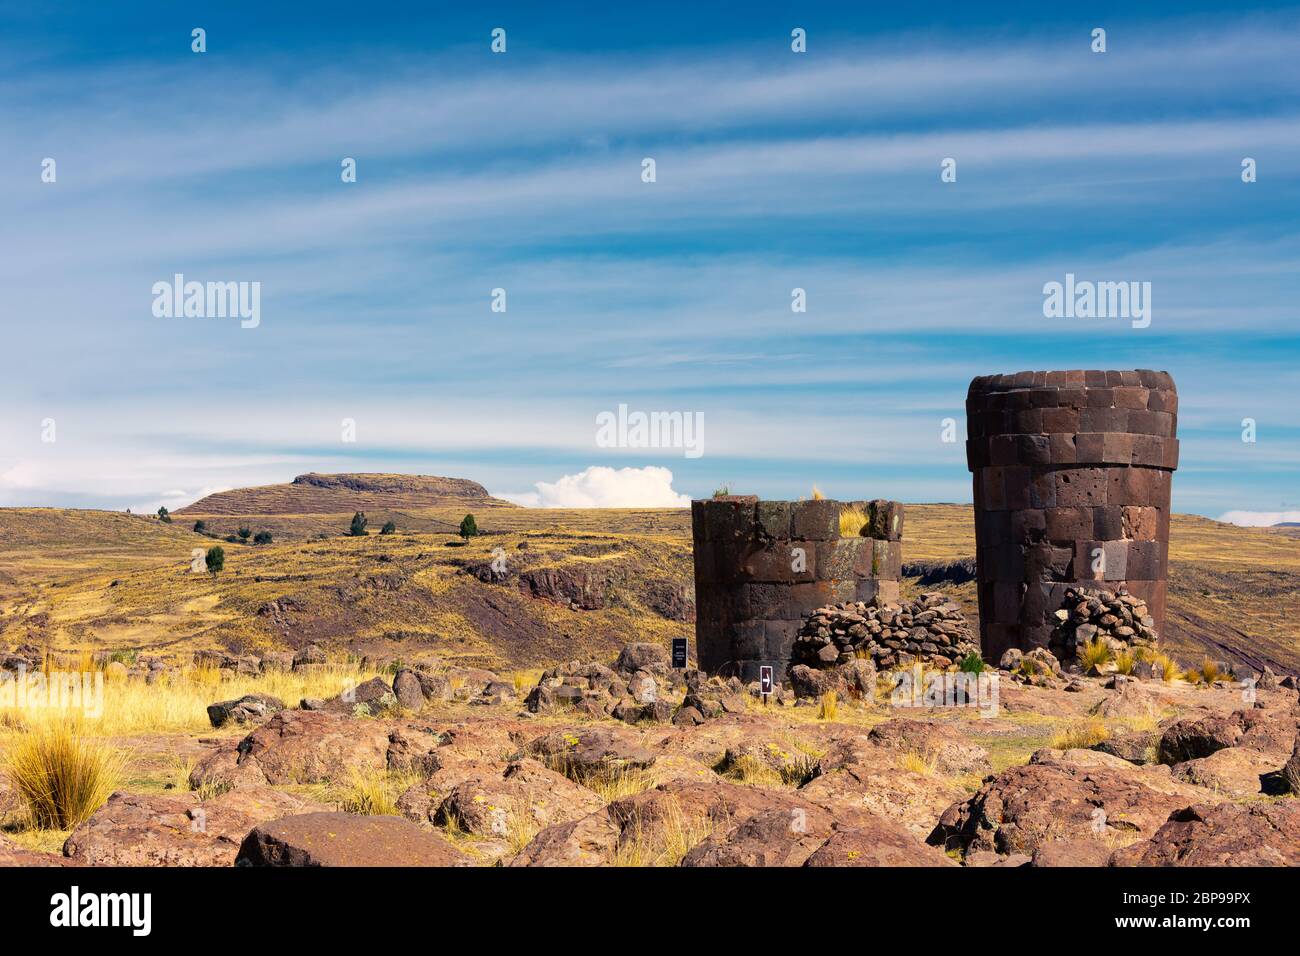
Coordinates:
<point>917,762</point>
<point>178,702</point>
<point>610,782</point>
<point>1095,653</point>
<point>1082,736</point>
<point>829,706</point>
<point>1207,673</point>
<point>1165,666</point>
<point>1124,662</point>
<point>61,776</point>
<point>375,794</point>
<point>852,520</point>
<point>664,841</point>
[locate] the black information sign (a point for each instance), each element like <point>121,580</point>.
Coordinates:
<point>679,652</point>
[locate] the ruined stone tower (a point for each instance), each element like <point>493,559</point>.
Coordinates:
<point>762,566</point>
<point>1072,472</point>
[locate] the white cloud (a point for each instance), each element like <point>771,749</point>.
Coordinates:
<point>1259,519</point>
<point>602,487</point>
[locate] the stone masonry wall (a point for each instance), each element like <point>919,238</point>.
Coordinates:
<point>1072,473</point>
<point>761,567</point>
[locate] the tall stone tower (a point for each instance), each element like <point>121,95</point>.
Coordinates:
<point>1072,472</point>
<point>761,567</point>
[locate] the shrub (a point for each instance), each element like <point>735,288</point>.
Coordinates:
<point>244,533</point>
<point>61,776</point>
<point>852,519</point>
<point>722,491</point>
<point>1082,736</point>
<point>215,559</point>
<point>829,707</point>
<point>358,527</point>
<point>201,527</point>
<point>972,663</point>
<point>262,537</point>
<point>1165,666</point>
<point>164,515</point>
<point>1095,653</point>
<point>388,528</point>
<point>468,527</point>
<point>375,794</point>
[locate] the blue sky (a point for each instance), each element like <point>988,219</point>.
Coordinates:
<point>522,171</point>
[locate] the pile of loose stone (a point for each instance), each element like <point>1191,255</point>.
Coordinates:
<point>1116,618</point>
<point>930,629</point>
<point>641,686</point>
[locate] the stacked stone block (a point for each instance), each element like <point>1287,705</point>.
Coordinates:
<point>1072,473</point>
<point>761,567</point>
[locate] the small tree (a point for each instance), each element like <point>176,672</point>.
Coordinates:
<point>358,528</point>
<point>468,528</point>
<point>201,527</point>
<point>244,533</point>
<point>215,559</point>
<point>262,537</point>
<point>388,528</point>
<point>164,515</point>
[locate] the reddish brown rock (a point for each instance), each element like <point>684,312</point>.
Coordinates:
<point>1224,834</point>
<point>11,854</point>
<point>1023,808</point>
<point>298,746</point>
<point>488,803</point>
<point>878,843</point>
<point>342,839</point>
<point>134,829</point>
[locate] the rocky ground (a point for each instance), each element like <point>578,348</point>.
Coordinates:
<point>629,762</point>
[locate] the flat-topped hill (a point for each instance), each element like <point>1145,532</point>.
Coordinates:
<point>345,493</point>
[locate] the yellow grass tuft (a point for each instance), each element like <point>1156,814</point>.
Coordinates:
<point>917,762</point>
<point>61,776</point>
<point>852,520</point>
<point>817,494</point>
<point>1165,666</point>
<point>1082,736</point>
<point>664,841</point>
<point>1095,653</point>
<point>375,794</point>
<point>829,707</point>
<point>1124,661</point>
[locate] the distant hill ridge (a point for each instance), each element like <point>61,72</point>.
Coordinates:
<point>315,493</point>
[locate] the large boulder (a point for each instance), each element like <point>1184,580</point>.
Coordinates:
<point>134,829</point>
<point>1268,731</point>
<point>1291,772</point>
<point>878,843</point>
<point>651,826</point>
<point>298,747</point>
<point>11,854</point>
<point>408,689</point>
<point>525,796</point>
<point>249,709</point>
<point>781,836</point>
<point>640,656</point>
<point>1264,833</point>
<point>1077,795</point>
<point>343,839</point>
<point>1234,771</point>
<point>597,750</point>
